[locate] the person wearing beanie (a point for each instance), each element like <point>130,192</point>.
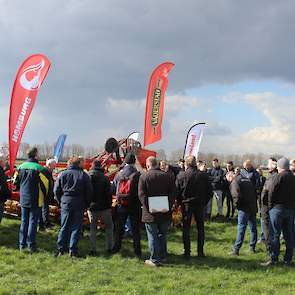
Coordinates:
<point>281,203</point>
<point>125,187</point>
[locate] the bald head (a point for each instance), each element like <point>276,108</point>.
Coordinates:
<point>151,162</point>
<point>247,164</point>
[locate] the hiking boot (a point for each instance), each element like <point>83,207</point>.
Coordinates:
<point>252,250</point>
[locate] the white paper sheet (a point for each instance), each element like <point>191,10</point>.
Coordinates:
<point>158,204</point>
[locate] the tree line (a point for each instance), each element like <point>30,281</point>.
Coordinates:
<point>46,151</point>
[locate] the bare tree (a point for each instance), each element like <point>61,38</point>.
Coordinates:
<point>161,154</point>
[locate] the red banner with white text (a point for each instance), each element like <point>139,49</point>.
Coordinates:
<point>155,103</point>
<point>29,78</point>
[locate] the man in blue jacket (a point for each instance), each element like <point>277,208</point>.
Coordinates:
<point>216,176</point>
<point>73,192</point>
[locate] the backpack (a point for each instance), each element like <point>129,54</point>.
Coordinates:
<point>125,189</point>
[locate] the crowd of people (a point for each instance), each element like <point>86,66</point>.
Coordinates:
<point>149,197</point>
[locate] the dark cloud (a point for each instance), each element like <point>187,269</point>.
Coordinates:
<point>107,48</point>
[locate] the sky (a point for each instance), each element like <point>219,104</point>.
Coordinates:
<point>234,69</point>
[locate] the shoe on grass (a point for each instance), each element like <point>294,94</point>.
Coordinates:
<point>233,253</point>
<point>269,263</point>
<point>73,254</point>
<point>252,250</point>
<point>93,253</point>
<point>59,253</point>
<point>32,250</point>
<point>149,262</point>
<point>201,255</point>
<point>187,256</point>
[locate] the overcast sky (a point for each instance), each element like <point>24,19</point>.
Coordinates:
<point>234,69</point>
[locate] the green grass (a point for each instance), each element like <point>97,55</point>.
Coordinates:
<point>21,273</point>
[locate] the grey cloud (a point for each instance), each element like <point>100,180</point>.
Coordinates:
<point>107,48</point>
<point>217,130</point>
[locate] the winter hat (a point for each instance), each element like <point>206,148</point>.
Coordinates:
<point>130,159</point>
<point>283,163</point>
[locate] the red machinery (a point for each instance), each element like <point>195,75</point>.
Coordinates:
<point>112,159</point>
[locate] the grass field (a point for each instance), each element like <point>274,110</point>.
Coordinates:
<point>218,273</point>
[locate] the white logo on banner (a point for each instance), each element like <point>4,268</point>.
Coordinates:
<point>35,82</point>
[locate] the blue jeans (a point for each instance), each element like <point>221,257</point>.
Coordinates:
<point>1,210</point>
<point>282,220</point>
<point>71,226</point>
<point>244,219</point>
<point>28,227</point>
<point>156,233</point>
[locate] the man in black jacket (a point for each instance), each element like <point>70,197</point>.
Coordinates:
<point>250,172</point>
<point>281,202</point>
<point>100,206</point>
<point>266,227</point>
<point>193,191</point>
<point>245,200</point>
<point>4,191</point>
<point>73,192</point>
<point>160,186</point>
<point>216,176</point>
<point>129,206</point>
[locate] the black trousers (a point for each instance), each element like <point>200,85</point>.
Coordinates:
<point>187,214</point>
<point>266,226</point>
<point>230,210</point>
<point>44,216</point>
<point>120,219</point>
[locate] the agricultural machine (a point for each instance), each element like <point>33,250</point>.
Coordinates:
<point>112,159</point>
